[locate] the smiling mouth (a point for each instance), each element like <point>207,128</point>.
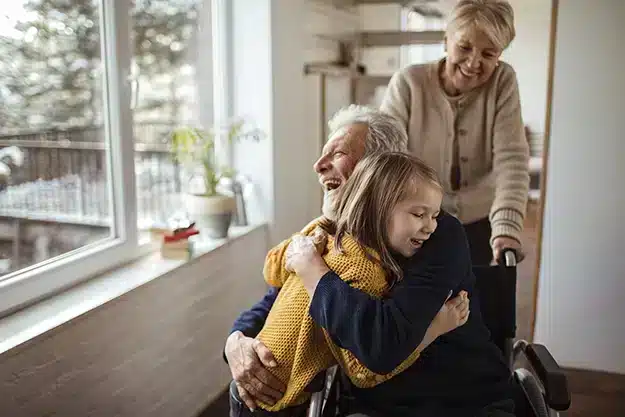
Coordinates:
<point>417,243</point>
<point>331,184</point>
<point>468,74</point>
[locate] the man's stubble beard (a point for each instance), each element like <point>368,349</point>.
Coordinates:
<point>328,208</point>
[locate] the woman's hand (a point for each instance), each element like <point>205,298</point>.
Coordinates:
<point>303,257</point>
<point>503,242</point>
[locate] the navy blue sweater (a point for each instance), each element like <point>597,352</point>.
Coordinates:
<point>458,374</point>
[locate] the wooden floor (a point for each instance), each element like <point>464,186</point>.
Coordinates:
<point>526,271</point>
<point>594,394</point>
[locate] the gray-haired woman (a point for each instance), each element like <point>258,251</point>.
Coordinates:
<point>463,117</point>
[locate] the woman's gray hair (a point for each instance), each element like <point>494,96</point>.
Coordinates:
<point>385,133</point>
<point>493,17</point>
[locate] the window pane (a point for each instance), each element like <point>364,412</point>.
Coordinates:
<point>166,70</point>
<point>54,190</point>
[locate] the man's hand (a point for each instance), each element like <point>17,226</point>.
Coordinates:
<point>503,242</point>
<point>303,258</point>
<point>249,359</point>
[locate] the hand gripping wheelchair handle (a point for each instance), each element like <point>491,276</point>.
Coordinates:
<point>508,258</point>
<point>551,376</point>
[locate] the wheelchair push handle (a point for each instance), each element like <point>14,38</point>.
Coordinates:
<point>508,258</point>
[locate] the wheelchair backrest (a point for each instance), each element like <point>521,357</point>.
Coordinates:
<point>496,289</point>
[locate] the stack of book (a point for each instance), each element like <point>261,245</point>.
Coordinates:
<point>176,244</point>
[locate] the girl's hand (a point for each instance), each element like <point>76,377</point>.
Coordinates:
<point>452,315</point>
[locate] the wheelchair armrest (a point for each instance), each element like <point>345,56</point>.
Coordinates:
<point>551,376</point>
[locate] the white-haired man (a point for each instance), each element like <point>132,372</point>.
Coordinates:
<point>381,333</point>
<point>355,132</point>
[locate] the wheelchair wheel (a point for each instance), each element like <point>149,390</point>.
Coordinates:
<point>533,392</point>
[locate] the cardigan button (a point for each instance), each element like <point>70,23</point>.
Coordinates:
<point>464,159</point>
<point>462,132</point>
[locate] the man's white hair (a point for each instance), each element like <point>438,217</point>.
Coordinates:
<point>385,133</point>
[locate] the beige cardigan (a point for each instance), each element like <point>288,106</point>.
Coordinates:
<point>482,130</point>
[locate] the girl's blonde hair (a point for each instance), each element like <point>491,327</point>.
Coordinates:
<point>365,203</point>
<point>495,18</point>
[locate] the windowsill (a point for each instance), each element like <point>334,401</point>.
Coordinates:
<point>50,313</point>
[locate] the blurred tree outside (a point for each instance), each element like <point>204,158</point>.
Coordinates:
<point>51,77</point>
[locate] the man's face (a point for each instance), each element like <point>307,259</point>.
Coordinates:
<point>337,162</point>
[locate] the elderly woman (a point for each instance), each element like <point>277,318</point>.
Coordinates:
<point>463,117</point>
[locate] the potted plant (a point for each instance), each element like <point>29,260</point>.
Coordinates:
<point>194,148</point>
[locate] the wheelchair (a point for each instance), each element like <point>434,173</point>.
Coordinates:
<point>542,386</point>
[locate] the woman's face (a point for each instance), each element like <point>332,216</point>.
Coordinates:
<point>471,60</point>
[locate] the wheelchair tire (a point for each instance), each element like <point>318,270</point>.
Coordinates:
<point>534,394</point>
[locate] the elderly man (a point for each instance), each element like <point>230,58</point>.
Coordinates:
<point>461,374</point>
<point>355,132</point>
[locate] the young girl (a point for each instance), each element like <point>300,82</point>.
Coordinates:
<point>405,195</point>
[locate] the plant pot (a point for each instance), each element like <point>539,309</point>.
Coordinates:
<point>212,214</point>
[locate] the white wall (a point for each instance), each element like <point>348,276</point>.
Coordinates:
<point>273,39</point>
<point>581,313</point>
<point>529,55</point>
<point>251,98</point>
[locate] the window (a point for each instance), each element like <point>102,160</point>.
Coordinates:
<point>87,100</point>
<point>55,148</point>
<point>178,78</point>
<point>167,65</point>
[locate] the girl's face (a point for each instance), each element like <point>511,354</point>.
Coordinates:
<point>471,60</point>
<point>413,220</point>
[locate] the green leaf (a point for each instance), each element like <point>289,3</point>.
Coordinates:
<point>194,146</point>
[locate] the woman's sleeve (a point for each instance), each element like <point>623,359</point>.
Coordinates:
<point>396,101</point>
<point>510,161</point>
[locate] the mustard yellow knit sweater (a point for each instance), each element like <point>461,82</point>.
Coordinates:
<point>301,348</point>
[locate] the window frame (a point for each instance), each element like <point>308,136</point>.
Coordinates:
<point>221,52</point>
<point>34,283</point>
